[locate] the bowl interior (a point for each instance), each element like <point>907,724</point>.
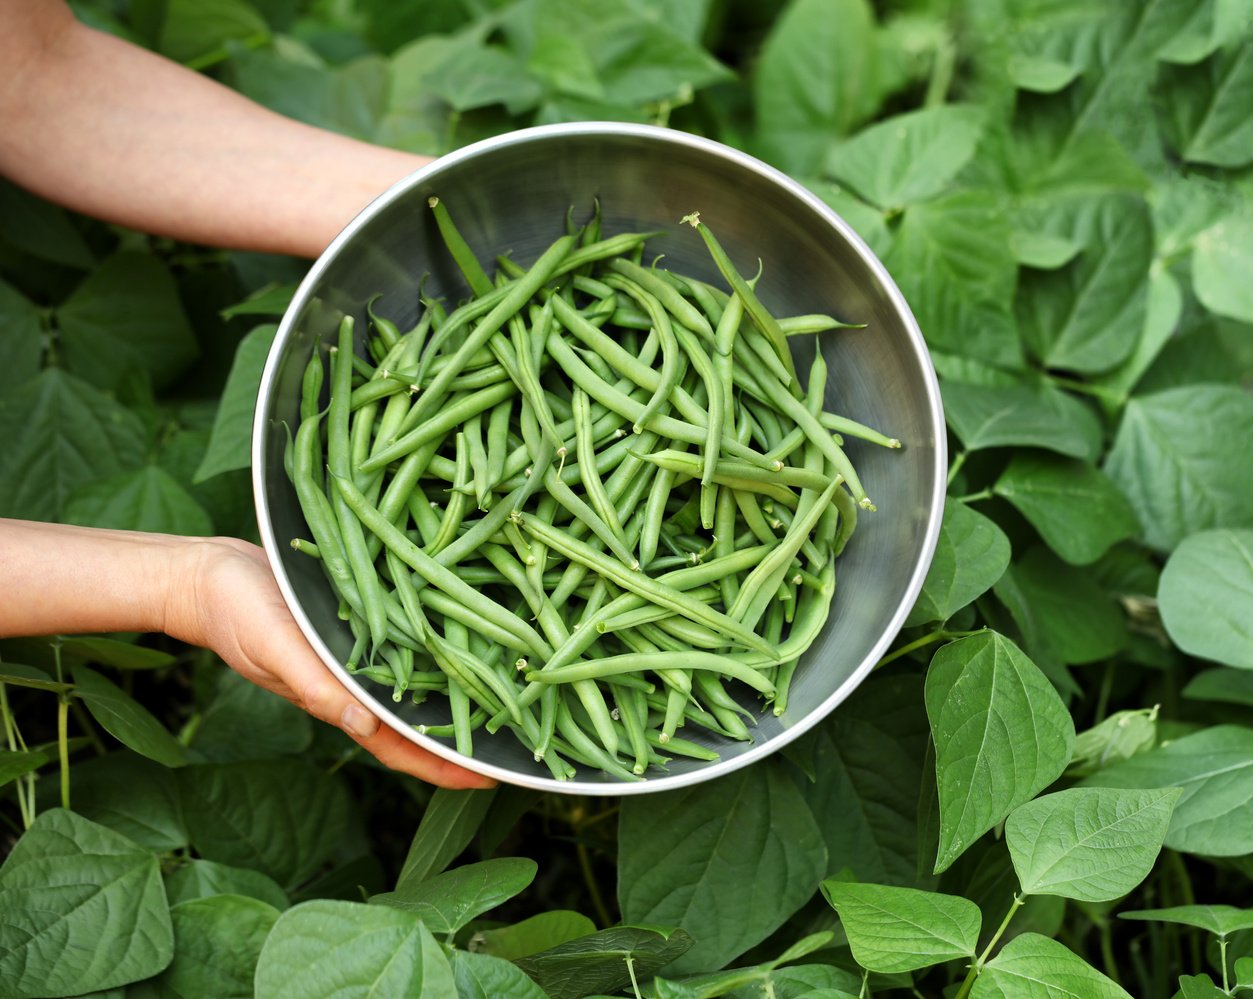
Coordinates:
<point>511,195</point>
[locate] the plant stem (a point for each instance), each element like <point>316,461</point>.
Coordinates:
<point>63,746</point>
<point>25,785</point>
<point>635,986</point>
<point>982,959</point>
<point>1107,951</point>
<point>941,72</point>
<point>958,460</point>
<point>593,888</point>
<point>982,494</point>
<point>939,635</point>
<point>1222,959</point>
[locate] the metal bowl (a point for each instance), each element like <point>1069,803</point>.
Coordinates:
<point>511,193</point>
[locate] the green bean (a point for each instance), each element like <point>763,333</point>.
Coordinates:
<point>311,386</point>
<point>459,249</point>
<point>452,416</point>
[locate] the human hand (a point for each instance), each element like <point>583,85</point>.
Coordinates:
<point>223,596</point>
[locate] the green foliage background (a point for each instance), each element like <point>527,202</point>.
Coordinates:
<point>1062,190</point>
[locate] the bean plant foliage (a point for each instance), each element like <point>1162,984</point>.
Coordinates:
<point>1045,789</point>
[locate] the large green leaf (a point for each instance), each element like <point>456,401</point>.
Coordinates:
<point>910,157</point>
<point>230,445</point>
<point>348,950</point>
<point>1206,109</point>
<point>1214,815</point>
<point>817,77</point>
<point>216,944</point>
<point>448,825</point>
<point>1026,415</point>
<point>145,500</point>
<point>598,963</point>
<point>205,878</point>
<point>1221,261</point>
<point>448,901</point>
<point>283,818</point>
<point>1120,736</point>
<point>1229,686</point>
<point>1001,736</point>
<point>21,336</point>
<point>247,722</point>
<point>1075,617</point>
<point>970,557</point>
<point>1087,315</point>
<point>18,763</point>
<point>1032,966</point>
<point>1221,920</point>
<point>868,764</point>
<point>894,929</point>
<point>1206,596</point>
<point>1213,24</point>
<point>951,258</point>
<point>1172,458</point>
<point>56,434</point>
<point>126,719</point>
<point>41,229</point>
<point>132,795</point>
<point>746,843</point>
<point>1087,843</point>
<point>194,28</point>
<point>1078,511</point>
<point>81,909</point>
<point>126,315</point>
<point>481,976</point>
<point>540,932</point>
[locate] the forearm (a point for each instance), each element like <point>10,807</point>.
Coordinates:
<point>62,579</point>
<point>118,133</point>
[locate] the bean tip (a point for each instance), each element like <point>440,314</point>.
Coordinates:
<point>432,201</point>
<point>521,664</point>
<point>663,738</point>
<point>692,219</point>
<point>894,443</point>
<point>865,504</point>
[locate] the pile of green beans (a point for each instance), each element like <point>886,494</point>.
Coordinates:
<point>593,504</point>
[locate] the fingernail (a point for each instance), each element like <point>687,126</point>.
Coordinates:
<point>357,721</point>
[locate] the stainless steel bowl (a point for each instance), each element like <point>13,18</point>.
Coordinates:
<point>511,193</point>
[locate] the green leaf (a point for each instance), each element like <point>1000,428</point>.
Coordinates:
<point>1024,415</point>
<point>216,944</point>
<point>1221,920</point>
<point>1001,736</point>
<point>866,220</point>
<point>283,818</point>
<point>1043,250</point>
<point>23,338</point>
<point>816,77</point>
<point>910,157</point>
<point>349,950</point>
<point>126,719</point>
<point>115,653</point>
<point>598,963</point>
<point>36,227</point>
<point>970,557</point>
<point>194,28</point>
<point>481,976</point>
<point>1087,315</point>
<point>1244,973</point>
<point>269,300</point>
<point>951,258</point>
<point>540,932</point>
<point>133,796</point>
<point>1214,767</point>
<point>1221,262</point>
<point>894,929</point>
<point>1213,24</point>
<point>1041,74</point>
<point>1078,620</point>
<point>145,500</point>
<point>1161,317</point>
<point>63,890</point>
<point>746,842</point>
<point>126,315</point>
<point>1198,987</point>
<point>1078,511</point>
<point>204,878</point>
<point>1230,686</point>
<point>1086,843</point>
<point>868,760</point>
<point>1122,735</point>
<point>1206,111</point>
<point>1172,458</point>
<point>230,445</point>
<point>31,678</point>
<point>1034,967</point>
<point>56,434</point>
<point>1205,596</point>
<point>450,822</point>
<point>449,901</point>
<point>17,763</point>
<point>350,99</point>
<point>247,722</point>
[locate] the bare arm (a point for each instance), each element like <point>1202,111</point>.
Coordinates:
<point>111,130</point>
<point>214,592</point>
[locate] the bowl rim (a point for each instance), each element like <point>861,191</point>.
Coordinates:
<point>609,786</point>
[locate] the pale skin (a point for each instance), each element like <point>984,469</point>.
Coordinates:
<point>113,131</point>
